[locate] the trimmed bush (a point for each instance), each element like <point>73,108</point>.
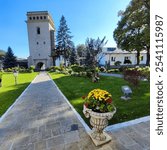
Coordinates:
<point>102,69</point>
<point>31,69</point>
<point>132,76</point>
<point>117,63</point>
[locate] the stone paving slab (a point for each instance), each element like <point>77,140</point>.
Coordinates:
<point>43,120</point>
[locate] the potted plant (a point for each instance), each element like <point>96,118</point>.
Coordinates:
<point>98,106</point>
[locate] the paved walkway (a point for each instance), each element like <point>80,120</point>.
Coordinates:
<point>43,120</point>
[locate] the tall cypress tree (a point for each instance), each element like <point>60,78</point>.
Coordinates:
<point>10,59</point>
<point>64,42</point>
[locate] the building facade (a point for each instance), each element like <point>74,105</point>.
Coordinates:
<point>111,55</point>
<point>41,40</point>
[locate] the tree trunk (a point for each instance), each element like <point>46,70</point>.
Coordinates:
<point>148,56</point>
<point>54,63</point>
<point>138,57</point>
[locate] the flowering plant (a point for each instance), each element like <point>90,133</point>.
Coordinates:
<point>99,101</point>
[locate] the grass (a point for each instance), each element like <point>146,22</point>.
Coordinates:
<point>76,87</point>
<point>9,92</point>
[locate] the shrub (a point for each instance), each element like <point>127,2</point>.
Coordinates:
<point>112,70</point>
<point>117,63</point>
<point>102,69</point>
<point>31,69</point>
<point>145,72</point>
<point>122,68</point>
<point>132,76</point>
<point>77,68</point>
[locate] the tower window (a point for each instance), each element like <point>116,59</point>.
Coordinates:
<point>44,17</point>
<point>37,17</point>
<point>38,30</point>
<point>30,18</point>
<point>33,18</point>
<point>41,17</point>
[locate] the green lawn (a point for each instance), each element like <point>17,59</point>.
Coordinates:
<point>9,92</point>
<point>76,87</point>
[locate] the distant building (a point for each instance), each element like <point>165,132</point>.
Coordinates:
<point>41,30</point>
<point>113,54</point>
<point>21,62</point>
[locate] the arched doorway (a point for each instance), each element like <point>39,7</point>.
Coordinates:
<point>40,66</point>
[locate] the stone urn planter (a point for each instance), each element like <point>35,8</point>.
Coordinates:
<point>98,121</point>
<point>98,106</point>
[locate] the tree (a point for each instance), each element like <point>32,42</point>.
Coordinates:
<point>81,53</point>
<point>73,57</point>
<point>94,51</point>
<point>133,30</point>
<point>2,54</point>
<point>55,54</point>
<point>64,42</point>
<point>10,59</point>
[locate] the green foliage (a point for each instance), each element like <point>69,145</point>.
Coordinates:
<point>10,59</point>
<point>73,57</point>
<point>117,63</point>
<point>145,72</point>
<point>1,73</point>
<point>102,69</point>
<point>93,51</point>
<point>77,68</point>
<point>133,31</point>
<point>64,43</point>
<point>113,70</point>
<point>132,76</point>
<point>81,50</point>
<point>31,69</point>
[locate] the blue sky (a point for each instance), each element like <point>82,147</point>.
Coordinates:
<point>85,18</point>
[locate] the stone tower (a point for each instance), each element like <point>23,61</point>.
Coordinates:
<point>41,30</point>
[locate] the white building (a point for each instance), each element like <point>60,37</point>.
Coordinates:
<point>112,55</point>
<point>41,30</point>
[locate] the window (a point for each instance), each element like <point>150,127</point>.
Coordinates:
<point>30,18</point>
<point>37,43</point>
<point>44,17</point>
<point>33,18</point>
<point>41,17</point>
<point>38,30</point>
<point>37,17</point>
<point>127,60</point>
<point>112,58</point>
<point>142,58</point>
<point>44,42</point>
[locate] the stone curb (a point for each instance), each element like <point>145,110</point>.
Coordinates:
<point>73,109</point>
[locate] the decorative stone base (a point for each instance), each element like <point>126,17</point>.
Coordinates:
<point>98,142</point>
<point>125,98</point>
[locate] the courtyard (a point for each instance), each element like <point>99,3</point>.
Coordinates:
<point>46,121</point>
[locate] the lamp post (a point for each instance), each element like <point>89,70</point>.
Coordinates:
<point>15,73</point>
